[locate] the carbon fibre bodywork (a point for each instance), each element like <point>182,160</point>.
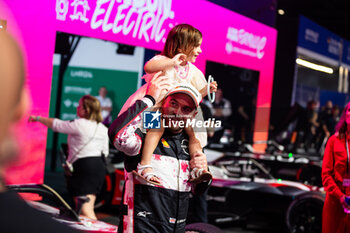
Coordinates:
<point>47,200</point>
<point>243,190</point>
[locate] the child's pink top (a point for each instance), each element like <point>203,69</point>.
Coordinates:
<point>181,74</point>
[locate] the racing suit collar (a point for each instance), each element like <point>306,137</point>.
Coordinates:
<point>168,133</point>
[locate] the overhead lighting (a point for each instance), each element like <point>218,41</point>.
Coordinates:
<point>314,66</point>
<point>280,12</point>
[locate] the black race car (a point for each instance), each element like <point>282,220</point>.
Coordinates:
<point>47,200</point>
<point>296,167</point>
<point>243,191</point>
<point>303,167</point>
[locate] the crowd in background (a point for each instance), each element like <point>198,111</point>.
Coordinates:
<point>309,128</point>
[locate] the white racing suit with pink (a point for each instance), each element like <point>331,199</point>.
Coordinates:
<point>147,208</point>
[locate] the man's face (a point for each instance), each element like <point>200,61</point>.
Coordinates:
<point>102,92</point>
<point>176,108</point>
<point>329,104</point>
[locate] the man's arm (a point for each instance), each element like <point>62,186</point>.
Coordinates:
<point>226,112</point>
<point>242,112</point>
<point>109,109</point>
<point>122,131</point>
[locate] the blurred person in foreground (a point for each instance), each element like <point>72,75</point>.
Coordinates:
<point>336,178</point>
<point>15,214</point>
<point>87,144</point>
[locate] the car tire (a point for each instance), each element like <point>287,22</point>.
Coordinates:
<point>304,214</point>
<point>202,228</point>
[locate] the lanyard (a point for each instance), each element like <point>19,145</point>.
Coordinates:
<point>347,153</point>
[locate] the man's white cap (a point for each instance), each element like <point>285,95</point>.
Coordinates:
<point>189,90</point>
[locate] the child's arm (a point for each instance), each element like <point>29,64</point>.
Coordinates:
<point>193,145</point>
<point>213,88</point>
<point>200,83</point>
<point>164,63</point>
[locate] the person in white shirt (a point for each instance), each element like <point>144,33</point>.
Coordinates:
<point>106,106</point>
<point>220,110</point>
<point>87,143</point>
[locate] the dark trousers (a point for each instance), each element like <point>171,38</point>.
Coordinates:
<point>200,207</point>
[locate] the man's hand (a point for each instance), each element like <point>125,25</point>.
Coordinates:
<point>218,112</point>
<point>199,160</point>
<point>156,85</point>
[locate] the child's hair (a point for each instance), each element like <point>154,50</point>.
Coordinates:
<point>181,38</point>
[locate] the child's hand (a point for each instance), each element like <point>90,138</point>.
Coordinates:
<point>179,58</point>
<point>213,87</point>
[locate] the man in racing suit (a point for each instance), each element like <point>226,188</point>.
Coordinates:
<point>148,208</point>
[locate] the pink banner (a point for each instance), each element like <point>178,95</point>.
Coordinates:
<point>228,38</point>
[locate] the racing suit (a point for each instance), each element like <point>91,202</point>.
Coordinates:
<point>149,208</point>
